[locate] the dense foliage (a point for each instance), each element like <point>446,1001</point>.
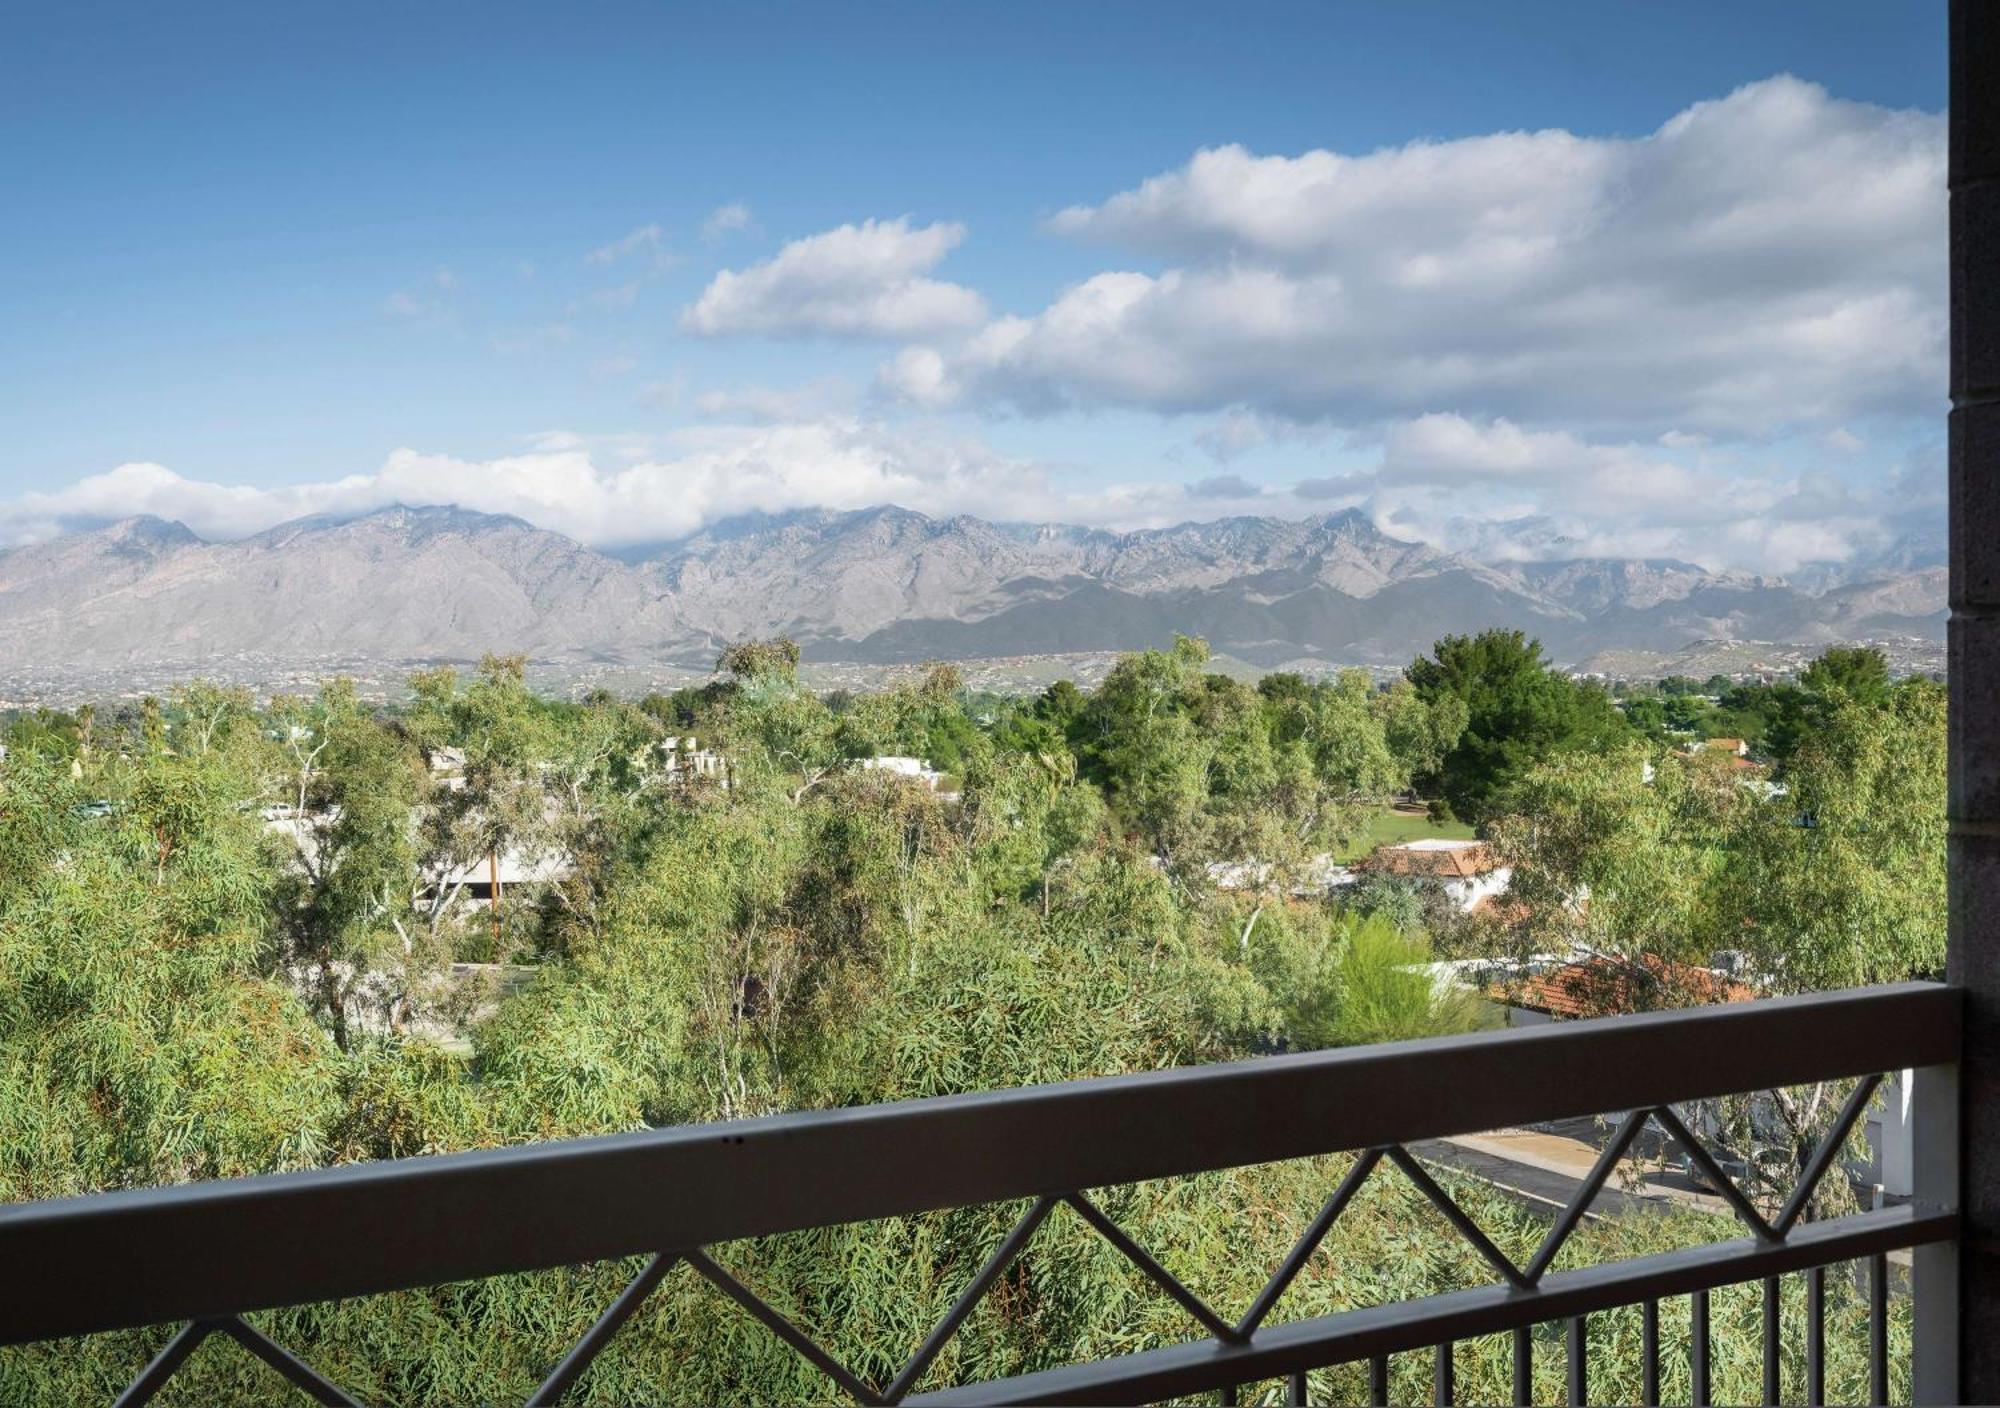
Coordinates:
<point>239,937</point>
<point>1518,713</point>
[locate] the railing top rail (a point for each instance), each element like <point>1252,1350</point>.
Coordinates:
<point>212,1249</point>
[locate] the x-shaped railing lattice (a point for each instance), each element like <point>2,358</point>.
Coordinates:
<point>1239,1332</point>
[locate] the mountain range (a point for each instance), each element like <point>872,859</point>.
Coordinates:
<point>883,585</point>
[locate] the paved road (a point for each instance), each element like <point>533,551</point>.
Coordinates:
<point>1537,1186</point>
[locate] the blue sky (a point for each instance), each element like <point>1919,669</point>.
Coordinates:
<point>255,252</point>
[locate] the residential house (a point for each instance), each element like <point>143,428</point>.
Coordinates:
<point>1469,870</point>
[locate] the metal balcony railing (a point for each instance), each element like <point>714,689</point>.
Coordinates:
<point>207,1254</point>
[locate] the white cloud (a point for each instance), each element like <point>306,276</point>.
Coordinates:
<point>863,280</point>
<point>1530,343</point>
<point>1498,490</point>
<point>647,240</point>
<point>600,490</point>
<point>1450,450</point>
<point>1489,487</point>
<point>1236,433</point>
<point>726,220</point>
<point>1770,260</point>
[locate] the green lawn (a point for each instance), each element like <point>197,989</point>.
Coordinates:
<point>1388,827</point>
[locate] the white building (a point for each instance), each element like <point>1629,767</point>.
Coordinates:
<point>916,769</point>
<point>687,761</point>
<point>1318,876</point>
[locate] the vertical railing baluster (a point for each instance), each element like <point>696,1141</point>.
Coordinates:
<point>1229,1396</point>
<point>1378,1381</point>
<point>1698,1348</point>
<point>1649,1351</point>
<point>1771,1342</point>
<point>1295,1390</point>
<point>1524,1367</point>
<point>1878,1328</point>
<point>1579,1361</point>
<point>1442,1390</point>
<point>1816,1337</point>
<point>1932,1118</point>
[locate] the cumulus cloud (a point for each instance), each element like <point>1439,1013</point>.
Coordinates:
<point>1500,491</point>
<point>608,491</point>
<point>1488,487</point>
<point>865,280</point>
<point>1697,343</point>
<point>1454,451</point>
<point>1769,260</point>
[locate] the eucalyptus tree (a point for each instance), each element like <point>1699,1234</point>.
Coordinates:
<point>489,743</point>
<point>1140,743</point>
<point>799,938</point>
<point>1624,853</point>
<point>347,846</point>
<point>51,732</point>
<point>769,720</point>
<point>203,717</point>
<point>1662,864</point>
<point>1419,731</point>
<point>1839,879</point>
<point>144,1037</point>
<point>1026,814</point>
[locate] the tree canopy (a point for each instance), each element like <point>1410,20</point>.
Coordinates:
<point>1518,712</point>
<point>240,936</point>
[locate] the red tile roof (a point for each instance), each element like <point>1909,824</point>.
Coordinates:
<point>1502,909</point>
<point>1444,863</point>
<point>1598,987</point>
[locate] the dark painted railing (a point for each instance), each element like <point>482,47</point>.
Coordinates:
<point>216,1251</point>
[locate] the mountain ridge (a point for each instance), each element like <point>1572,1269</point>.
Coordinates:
<point>883,584</point>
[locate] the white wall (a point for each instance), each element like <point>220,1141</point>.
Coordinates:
<point>1889,1135</point>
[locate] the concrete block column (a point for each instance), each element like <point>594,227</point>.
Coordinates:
<point>1974,663</point>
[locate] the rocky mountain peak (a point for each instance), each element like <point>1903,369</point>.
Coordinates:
<point>149,531</point>
<point>411,582</point>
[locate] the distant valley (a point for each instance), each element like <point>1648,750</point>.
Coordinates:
<point>886,586</point>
